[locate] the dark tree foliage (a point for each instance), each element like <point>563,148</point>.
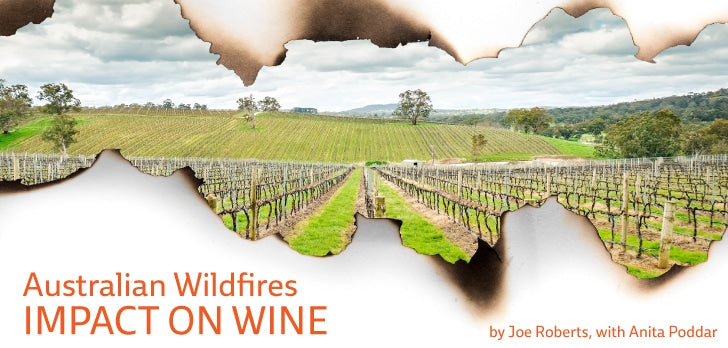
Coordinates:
<point>692,108</point>
<point>712,139</point>
<point>656,134</point>
<point>269,104</point>
<point>167,104</point>
<point>15,105</point>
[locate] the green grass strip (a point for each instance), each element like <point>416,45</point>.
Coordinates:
<point>324,232</point>
<point>417,233</point>
<point>676,253</point>
<point>640,273</point>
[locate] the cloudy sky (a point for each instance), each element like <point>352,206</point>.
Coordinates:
<point>111,52</point>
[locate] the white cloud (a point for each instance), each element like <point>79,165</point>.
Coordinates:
<point>603,41</point>
<point>113,52</point>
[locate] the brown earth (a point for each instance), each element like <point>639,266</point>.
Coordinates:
<point>448,161</point>
<point>361,206</point>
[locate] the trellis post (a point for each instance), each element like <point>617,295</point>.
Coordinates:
<point>16,167</point>
<point>666,234</point>
<point>212,202</point>
<point>460,182</point>
<point>548,185</point>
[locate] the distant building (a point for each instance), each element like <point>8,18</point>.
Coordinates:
<point>412,162</point>
<point>305,110</point>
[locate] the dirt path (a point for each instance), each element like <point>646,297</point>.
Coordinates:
<point>361,206</point>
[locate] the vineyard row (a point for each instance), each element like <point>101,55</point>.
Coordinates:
<point>625,199</point>
<point>254,196</point>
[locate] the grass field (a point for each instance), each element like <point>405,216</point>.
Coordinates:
<point>570,147</point>
<point>29,130</point>
<point>283,136</point>
<point>324,232</point>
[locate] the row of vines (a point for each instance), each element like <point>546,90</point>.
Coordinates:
<point>33,169</point>
<point>279,136</point>
<point>624,199</point>
<point>252,197</point>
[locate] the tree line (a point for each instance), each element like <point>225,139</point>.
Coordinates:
<point>661,133</point>
<point>166,104</point>
<point>646,134</point>
<point>691,108</point>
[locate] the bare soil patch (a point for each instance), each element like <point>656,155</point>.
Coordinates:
<point>448,161</point>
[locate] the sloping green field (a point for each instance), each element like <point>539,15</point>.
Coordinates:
<point>570,147</point>
<point>283,136</point>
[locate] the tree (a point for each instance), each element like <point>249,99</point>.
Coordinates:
<point>63,130</point>
<point>711,139</point>
<point>249,107</point>
<point>413,105</point>
<point>478,145</point>
<point>269,104</point>
<point>61,133</point>
<point>564,131</point>
<point>59,97</point>
<point>647,134</point>
<point>534,120</point>
<point>515,118</point>
<point>595,126</point>
<point>168,104</point>
<point>15,105</point>
<point>537,121</point>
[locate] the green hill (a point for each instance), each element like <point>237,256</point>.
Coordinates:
<point>693,108</point>
<point>285,136</point>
